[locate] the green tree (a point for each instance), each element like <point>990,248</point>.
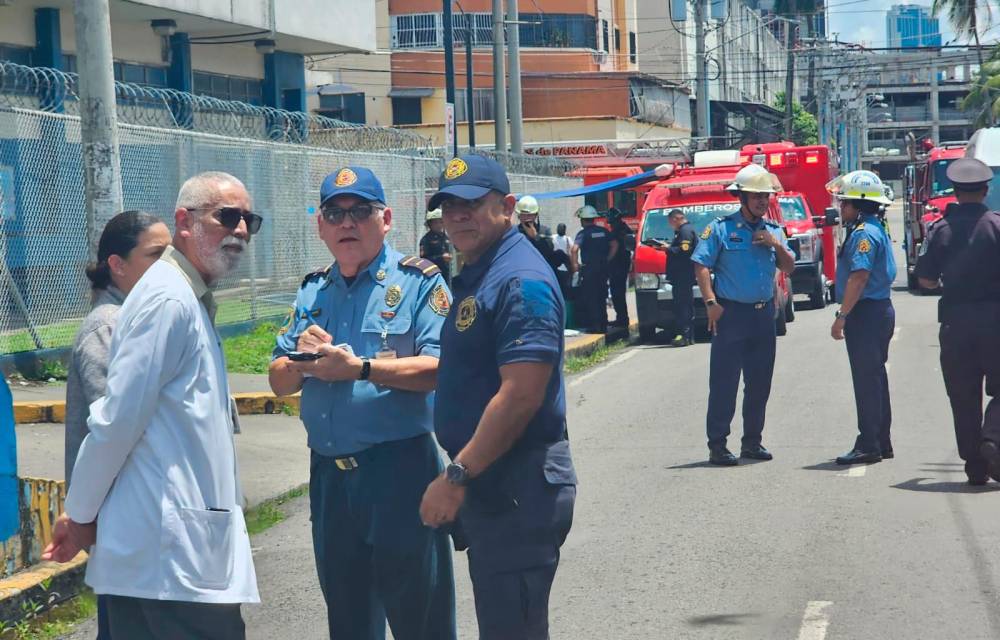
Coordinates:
<point>805,128</point>
<point>984,97</point>
<point>963,15</point>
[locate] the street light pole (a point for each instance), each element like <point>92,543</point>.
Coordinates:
<point>704,110</point>
<point>514,67</point>
<point>499,81</point>
<point>449,79</point>
<point>98,117</point>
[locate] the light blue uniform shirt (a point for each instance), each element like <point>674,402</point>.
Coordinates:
<point>744,272</point>
<point>867,248</point>
<point>347,417</point>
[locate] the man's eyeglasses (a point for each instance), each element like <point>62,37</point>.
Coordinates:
<point>454,205</point>
<point>359,213</point>
<point>230,217</point>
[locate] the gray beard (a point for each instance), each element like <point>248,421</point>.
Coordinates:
<point>216,262</point>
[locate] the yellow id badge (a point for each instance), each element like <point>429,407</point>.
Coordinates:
<point>385,354</point>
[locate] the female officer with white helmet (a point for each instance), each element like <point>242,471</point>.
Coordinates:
<point>865,273</point>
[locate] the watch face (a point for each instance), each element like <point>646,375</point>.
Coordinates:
<point>455,474</point>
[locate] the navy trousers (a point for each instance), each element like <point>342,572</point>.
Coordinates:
<point>867,332</point>
<point>514,520</point>
<point>744,344</point>
<point>594,291</point>
<point>683,307</point>
<point>618,283</point>
<point>970,354</point>
<point>375,558</point>
<point>143,619</point>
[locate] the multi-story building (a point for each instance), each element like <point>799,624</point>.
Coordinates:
<point>247,50</point>
<point>911,25</point>
<point>579,72</point>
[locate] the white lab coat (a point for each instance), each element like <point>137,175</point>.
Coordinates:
<point>158,468</point>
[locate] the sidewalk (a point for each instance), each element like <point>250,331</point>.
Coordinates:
<point>42,403</point>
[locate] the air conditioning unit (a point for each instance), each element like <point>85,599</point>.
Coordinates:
<point>600,57</point>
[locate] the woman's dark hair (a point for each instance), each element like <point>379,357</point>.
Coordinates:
<point>119,237</point>
<point>561,228</point>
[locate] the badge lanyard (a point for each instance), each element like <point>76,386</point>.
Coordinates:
<point>385,352</point>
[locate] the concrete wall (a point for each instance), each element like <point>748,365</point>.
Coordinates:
<point>481,6</point>
<point>558,130</point>
<point>662,50</point>
<point>17,25</point>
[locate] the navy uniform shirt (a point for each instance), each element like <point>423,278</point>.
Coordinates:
<point>867,248</point>
<point>433,246</point>
<point>507,309</point>
<point>744,272</point>
<point>595,244</point>
<point>679,267</point>
<point>407,304</point>
<point>963,250</point>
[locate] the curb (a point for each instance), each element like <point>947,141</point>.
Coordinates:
<point>44,583</point>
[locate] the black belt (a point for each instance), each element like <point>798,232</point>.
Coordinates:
<point>755,305</point>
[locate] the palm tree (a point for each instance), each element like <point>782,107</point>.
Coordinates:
<point>984,97</point>
<point>963,15</point>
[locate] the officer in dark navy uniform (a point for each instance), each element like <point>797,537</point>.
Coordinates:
<point>866,270</point>
<point>680,274</point>
<point>595,248</point>
<point>500,408</point>
<point>619,266</point>
<point>435,246</point>
<point>743,251</point>
<point>962,253</point>
<point>374,317</point>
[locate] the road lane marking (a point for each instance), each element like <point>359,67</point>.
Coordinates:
<point>854,471</point>
<point>590,374</point>
<point>815,621</point>
<point>895,334</point>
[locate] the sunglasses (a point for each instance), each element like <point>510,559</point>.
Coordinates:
<point>454,204</point>
<point>358,213</point>
<point>230,217</point>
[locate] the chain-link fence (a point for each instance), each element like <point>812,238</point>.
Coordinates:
<point>43,248</point>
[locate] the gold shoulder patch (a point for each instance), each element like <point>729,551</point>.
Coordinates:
<point>289,322</point>
<point>466,313</point>
<point>423,265</point>
<point>706,233</point>
<point>864,246</point>
<point>439,301</point>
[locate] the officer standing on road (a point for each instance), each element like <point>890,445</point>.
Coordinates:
<point>680,274</point>
<point>434,246</point>
<point>962,251</point>
<point>866,270</point>
<point>500,410</point>
<point>374,317</point>
<point>537,234</point>
<point>743,251</point>
<point>597,248</point>
<point>619,266</point>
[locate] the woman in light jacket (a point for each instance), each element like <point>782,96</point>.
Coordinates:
<point>129,244</point>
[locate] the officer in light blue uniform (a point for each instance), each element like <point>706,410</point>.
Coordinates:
<point>743,251</point>
<point>374,317</point>
<point>866,270</point>
<point>500,410</point>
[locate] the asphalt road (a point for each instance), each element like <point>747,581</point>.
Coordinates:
<point>665,546</point>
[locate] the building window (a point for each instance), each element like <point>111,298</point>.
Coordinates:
<point>558,30</point>
<point>349,107</point>
<point>143,74</point>
<point>604,30</point>
<point>482,28</point>
<point>416,31</point>
<point>482,104</point>
<point>618,40</point>
<point>406,111</point>
<point>226,87</point>
<point>17,55</point>
<point>632,52</point>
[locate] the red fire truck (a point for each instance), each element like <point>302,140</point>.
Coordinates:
<point>805,172</point>
<point>700,192</point>
<point>928,191</point>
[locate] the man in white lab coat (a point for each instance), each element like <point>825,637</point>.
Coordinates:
<point>155,491</point>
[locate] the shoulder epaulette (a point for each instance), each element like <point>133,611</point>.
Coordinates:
<point>315,275</point>
<point>423,265</point>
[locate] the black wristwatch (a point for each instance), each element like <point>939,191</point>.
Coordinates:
<point>711,303</point>
<point>839,314</point>
<point>366,368</point>
<point>456,474</point>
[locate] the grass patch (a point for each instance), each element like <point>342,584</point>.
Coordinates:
<point>251,352</point>
<point>54,622</point>
<point>576,364</point>
<point>269,513</point>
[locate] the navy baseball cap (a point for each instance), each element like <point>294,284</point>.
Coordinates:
<point>352,181</point>
<point>469,177</point>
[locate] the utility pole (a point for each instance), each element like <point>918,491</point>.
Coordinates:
<point>703,100</point>
<point>514,66</point>
<point>789,75</point>
<point>935,125</point>
<point>449,80</point>
<point>469,99</point>
<point>98,117</point>
<point>499,81</point>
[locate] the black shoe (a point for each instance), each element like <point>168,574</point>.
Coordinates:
<point>976,473</point>
<point>859,457</point>
<point>619,323</point>
<point>679,341</point>
<point>977,480</point>
<point>991,452</point>
<point>722,457</point>
<point>887,453</point>
<point>756,453</point>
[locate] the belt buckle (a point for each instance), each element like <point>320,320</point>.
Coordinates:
<point>346,464</point>
<point>758,305</point>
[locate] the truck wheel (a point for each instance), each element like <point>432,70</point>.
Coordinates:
<point>911,283</point>
<point>790,309</point>
<point>647,332</point>
<point>817,298</point>
<point>781,323</point>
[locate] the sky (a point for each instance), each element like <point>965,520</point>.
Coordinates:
<point>863,21</point>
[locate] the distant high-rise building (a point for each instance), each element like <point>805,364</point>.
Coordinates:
<point>911,25</point>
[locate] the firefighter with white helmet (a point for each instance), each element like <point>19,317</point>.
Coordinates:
<point>743,251</point>
<point>530,225</point>
<point>435,246</point>
<point>592,252</point>
<point>866,270</point>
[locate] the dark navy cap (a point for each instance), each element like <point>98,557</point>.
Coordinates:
<point>352,181</point>
<point>469,177</point>
<point>969,171</point>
